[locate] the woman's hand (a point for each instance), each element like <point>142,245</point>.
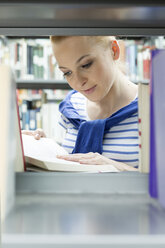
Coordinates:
<point>96,159</point>
<point>38,133</point>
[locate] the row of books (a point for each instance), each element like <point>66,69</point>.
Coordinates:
<point>41,95</point>
<point>4,52</point>
<point>45,117</point>
<point>41,111</point>
<point>33,58</point>
<point>137,56</point>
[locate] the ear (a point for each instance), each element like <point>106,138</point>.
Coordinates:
<point>115,50</point>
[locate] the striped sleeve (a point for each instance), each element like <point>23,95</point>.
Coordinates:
<point>63,122</point>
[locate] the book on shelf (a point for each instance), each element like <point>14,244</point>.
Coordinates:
<point>157,169</point>
<point>144,126</point>
<point>7,140</point>
<point>33,59</point>
<point>20,160</point>
<point>41,155</point>
<point>50,116</point>
<point>153,172</point>
<point>41,112</point>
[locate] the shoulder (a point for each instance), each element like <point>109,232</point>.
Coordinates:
<point>78,100</point>
<point>73,106</point>
<point>76,96</point>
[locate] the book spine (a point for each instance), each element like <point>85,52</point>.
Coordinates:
<point>32,119</point>
<point>158,123</point>
<point>21,158</point>
<point>153,190</point>
<point>139,124</point>
<point>144,115</point>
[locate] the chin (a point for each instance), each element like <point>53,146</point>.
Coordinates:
<point>93,98</point>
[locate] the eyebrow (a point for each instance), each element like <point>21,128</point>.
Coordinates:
<point>82,57</point>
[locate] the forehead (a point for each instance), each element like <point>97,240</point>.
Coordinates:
<point>73,47</point>
<point>71,41</point>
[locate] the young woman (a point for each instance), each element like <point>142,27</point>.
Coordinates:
<point>99,116</point>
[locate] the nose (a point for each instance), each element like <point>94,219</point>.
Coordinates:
<point>81,79</point>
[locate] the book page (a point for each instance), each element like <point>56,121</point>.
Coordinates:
<point>42,153</point>
<point>43,149</point>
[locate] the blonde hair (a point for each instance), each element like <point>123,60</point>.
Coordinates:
<point>100,40</point>
<point>57,38</point>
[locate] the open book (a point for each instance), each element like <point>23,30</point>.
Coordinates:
<point>42,153</point>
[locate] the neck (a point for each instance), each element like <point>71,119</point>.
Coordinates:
<point>121,94</point>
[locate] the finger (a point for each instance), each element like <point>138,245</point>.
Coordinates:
<point>82,155</point>
<point>93,161</point>
<point>77,156</point>
<point>69,158</point>
<point>39,133</point>
<point>37,136</point>
<point>27,132</point>
<point>129,168</point>
<point>132,169</point>
<point>124,167</point>
<point>88,161</point>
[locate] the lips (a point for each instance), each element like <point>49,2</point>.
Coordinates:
<point>90,90</point>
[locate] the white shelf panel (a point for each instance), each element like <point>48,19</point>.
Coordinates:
<point>99,183</point>
<point>84,220</point>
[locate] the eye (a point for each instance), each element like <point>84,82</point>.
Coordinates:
<point>67,74</point>
<point>87,65</point>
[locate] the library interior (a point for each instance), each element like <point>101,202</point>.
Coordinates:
<point>47,201</point>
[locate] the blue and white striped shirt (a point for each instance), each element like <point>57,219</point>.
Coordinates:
<point>121,143</point>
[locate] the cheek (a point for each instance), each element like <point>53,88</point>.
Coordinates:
<point>104,75</point>
<point>72,83</point>
<point>99,72</point>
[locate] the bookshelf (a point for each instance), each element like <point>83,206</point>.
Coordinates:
<point>48,212</point>
<point>42,84</point>
<point>38,80</point>
<point>36,68</point>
